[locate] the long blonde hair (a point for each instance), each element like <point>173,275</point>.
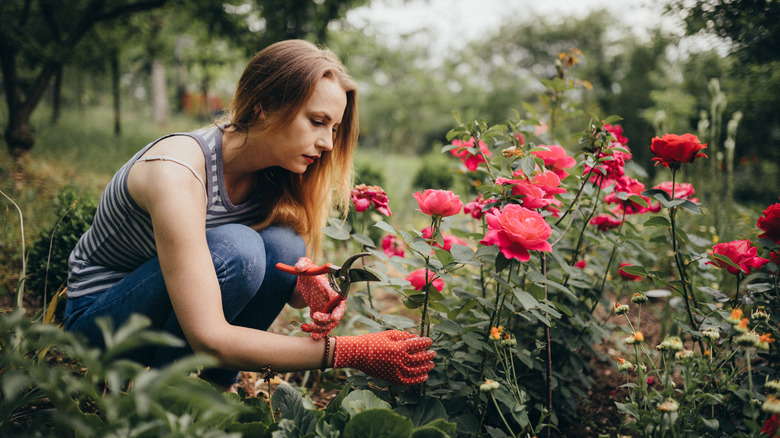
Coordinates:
<point>278,82</point>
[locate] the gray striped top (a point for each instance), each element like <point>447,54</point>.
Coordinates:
<point>121,237</point>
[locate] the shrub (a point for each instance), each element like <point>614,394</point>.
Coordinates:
<point>48,258</point>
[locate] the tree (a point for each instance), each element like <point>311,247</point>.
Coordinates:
<point>36,39</point>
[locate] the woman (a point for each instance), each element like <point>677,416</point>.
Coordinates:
<point>189,230</point>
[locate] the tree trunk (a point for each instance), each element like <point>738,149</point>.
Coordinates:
<point>56,96</point>
<point>160,104</point>
<point>115,92</point>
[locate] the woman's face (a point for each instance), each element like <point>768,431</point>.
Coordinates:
<point>311,132</point>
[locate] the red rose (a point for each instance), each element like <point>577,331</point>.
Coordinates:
<point>771,426</point>
<point>626,275</point>
<point>438,202</point>
<point>671,150</point>
<point>474,208</point>
<point>581,264</point>
<point>418,281</point>
<point>364,196</point>
<point>516,230</point>
<point>770,223</point>
<point>392,246</point>
<point>742,253</point>
<point>605,222</point>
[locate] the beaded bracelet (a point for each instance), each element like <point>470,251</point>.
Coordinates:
<point>325,354</point>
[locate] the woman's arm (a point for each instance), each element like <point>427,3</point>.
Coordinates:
<point>174,199</point>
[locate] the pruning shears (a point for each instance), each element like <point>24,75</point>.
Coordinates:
<point>340,277</point>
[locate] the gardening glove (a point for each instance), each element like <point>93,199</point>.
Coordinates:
<point>398,357</point>
<point>316,291</point>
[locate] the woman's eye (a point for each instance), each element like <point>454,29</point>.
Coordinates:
<point>317,122</point>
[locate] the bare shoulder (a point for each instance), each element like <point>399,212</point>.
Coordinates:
<point>160,180</point>
<point>180,147</point>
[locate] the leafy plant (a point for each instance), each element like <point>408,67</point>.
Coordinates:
<point>48,257</point>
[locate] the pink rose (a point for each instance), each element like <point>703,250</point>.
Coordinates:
<point>536,193</point>
<point>474,208</point>
<point>364,196</point>
<point>447,240</point>
<point>672,150</point>
<point>471,161</point>
<point>742,253</point>
<point>516,230</point>
<point>626,275</point>
<point>769,222</point>
<point>556,159</point>
<point>681,190</point>
<point>441,203</point>
<point>392,246</point>
<point>630,186</point>
<point>610,166</point>
<point>605,222</point>
<point>617,132</point>
<point>418,280</point>
<point>531,196</point>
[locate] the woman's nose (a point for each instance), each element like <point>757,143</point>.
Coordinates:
<point>325,142</point>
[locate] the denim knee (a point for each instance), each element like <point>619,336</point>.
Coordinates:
<point>238,254</point>
<point>283,244</point>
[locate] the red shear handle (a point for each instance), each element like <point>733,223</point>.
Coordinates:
<point>319,270</point>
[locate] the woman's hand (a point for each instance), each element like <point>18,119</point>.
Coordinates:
<point>398,357</point>
<point>317,293</point>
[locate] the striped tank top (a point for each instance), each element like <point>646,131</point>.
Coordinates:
<point>121,237</point>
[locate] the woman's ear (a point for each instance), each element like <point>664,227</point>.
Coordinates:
<point>259,115</point>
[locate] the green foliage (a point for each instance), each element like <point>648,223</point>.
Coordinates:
<point>434,173</point>
<point>47,265</point>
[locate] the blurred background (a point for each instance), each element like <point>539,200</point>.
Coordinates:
<point>87,85</point>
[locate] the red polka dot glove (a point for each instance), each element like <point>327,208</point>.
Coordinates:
<point>316,291</point>
<point>400,358</point>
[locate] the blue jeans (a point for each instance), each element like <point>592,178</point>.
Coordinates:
<point>253,292</point>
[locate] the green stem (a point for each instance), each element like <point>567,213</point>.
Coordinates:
<point>678,260</point>
<point>502,415</point>
<point>735,301</point>
<point>428,282</point>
